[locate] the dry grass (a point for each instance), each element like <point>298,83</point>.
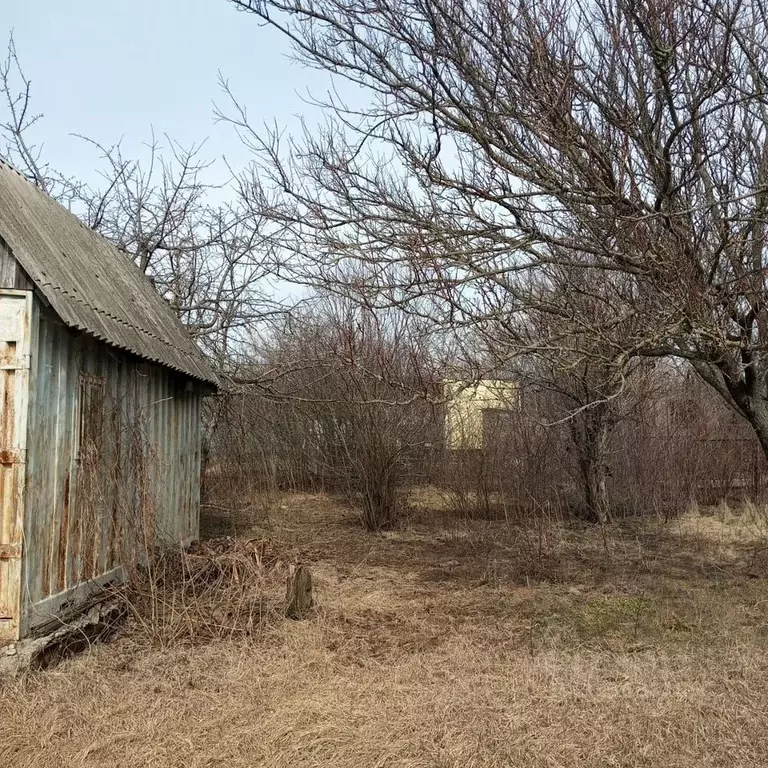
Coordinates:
<point>449,643</point>
<point>219,588</point>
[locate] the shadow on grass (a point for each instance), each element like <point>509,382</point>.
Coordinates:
<point>553,583</point>
<point>451,549</point>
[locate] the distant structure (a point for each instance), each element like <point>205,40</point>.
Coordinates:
<point>465,407</point>
<point>100,429</point>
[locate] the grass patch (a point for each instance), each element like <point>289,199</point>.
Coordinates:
<point>620,617</point>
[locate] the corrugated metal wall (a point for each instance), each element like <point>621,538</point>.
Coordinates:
<point>113,456</point>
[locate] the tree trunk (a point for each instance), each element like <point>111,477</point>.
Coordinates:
<point>595,490</point>
<point>757,416</point>
<point>590,438</point>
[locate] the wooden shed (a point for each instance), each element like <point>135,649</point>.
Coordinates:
<point>100,413</point>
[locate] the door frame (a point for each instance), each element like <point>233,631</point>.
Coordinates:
<point>16,328</point>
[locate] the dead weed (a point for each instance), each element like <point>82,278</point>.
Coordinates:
<point>450,643</point>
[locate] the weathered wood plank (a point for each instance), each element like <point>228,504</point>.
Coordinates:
<point>11,274</point>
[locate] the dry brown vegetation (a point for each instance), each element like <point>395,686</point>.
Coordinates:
<point>450,642</point>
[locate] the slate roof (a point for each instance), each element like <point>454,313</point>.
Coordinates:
<point>92,285</point>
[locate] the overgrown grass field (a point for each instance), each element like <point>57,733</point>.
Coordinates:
<point>450,642</point>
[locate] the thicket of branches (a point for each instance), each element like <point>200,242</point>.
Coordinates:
<point>363,415</point>
<point>571,195</point>
<point>342,404</point>
<point>478,145</point>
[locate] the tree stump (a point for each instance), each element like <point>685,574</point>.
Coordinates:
<point>298,594</point>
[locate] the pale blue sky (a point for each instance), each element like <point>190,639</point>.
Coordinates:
<point>118,68</point>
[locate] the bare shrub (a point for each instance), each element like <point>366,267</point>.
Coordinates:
<point>519,472</point>
<point>241,475</point>
<point>220,588</point>
<point>683,445</point>
<point>339,401</point>
<point>672,442</point>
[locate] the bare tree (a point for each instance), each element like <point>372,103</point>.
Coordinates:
<point>17,124</point>
<point>468,144</point>
<point>584,375</point>
<point>209,260</point>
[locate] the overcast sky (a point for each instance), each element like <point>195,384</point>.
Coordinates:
<point>118,68</point>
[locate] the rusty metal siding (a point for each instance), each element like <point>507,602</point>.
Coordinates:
<point>137,454</point>
<point>15,335</point>
<point>90,284</point>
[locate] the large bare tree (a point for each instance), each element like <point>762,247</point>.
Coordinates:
<point>468,144</point>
